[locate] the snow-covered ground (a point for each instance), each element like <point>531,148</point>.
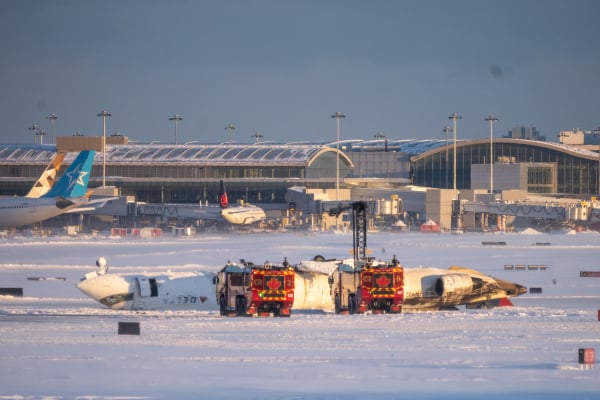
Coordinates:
<point>57,343</point>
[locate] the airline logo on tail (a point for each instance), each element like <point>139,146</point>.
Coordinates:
<point>48,177</point>
<point>223,200</point>
<point>74,182</point>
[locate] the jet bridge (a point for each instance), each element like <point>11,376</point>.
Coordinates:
<point>576,212</point>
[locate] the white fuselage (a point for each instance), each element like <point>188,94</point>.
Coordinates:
<point>19,211</point>
<point>243,214</point>
<point>424,289</point>
<point>144,292</point>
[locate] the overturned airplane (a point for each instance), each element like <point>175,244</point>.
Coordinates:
<point>424,289</point>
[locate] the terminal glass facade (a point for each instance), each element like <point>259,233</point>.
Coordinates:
<point>574,174</point>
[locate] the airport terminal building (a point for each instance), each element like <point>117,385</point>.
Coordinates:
<point>262,173</point>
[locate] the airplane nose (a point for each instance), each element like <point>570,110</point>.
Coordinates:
<point>87,287</point>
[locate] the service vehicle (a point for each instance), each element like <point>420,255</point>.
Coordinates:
<point>246,289</point>
<point>367,285</point>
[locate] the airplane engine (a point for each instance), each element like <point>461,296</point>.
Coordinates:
<point>453,285</point>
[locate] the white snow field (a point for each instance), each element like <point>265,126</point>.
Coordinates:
<point>55,343</point>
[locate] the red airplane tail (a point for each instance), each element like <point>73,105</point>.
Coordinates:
<point>223,201</point>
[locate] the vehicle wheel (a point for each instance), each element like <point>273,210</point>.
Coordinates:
<point>351,303</point>
<point>338,306</point>
<point>240,305</point>
<point>318,257</point>
<point>222,306</point>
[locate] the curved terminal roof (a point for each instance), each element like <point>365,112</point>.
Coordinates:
<point>295,154</point>
<point>440,145</point>
<point>224,154</point>
<point>27,153</point>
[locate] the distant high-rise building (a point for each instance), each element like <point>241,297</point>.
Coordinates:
<point>525,132</point>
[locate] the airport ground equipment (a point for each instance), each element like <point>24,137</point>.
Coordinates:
<point>246,289</point>
<point>367,285</point>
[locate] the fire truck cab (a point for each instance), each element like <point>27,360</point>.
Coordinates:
<point>367,285</point>
<point>376,287</point>
<point>247,289</point>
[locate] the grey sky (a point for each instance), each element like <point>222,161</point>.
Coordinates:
<point>284,67</point>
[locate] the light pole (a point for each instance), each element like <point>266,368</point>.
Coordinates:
<point>454,117</point>
<point>52,117</point>
<point>104,114</point>
<point>337,117</point>
<point>257,135</point>
<point>41,134</point>
<point>230,128</point>
<point>176,118</point>
<point>446,130</point>
<point>34,128</point>
<point>491,119</point>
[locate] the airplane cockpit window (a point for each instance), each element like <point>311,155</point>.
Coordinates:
<point>110,301</point>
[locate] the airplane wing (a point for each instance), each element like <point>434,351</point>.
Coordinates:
<point>99,203</point>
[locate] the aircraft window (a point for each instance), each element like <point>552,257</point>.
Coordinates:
<point>153,287</point>
<point>117,298</point>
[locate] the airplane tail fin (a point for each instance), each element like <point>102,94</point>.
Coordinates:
<point>75,180</point>
<point>223,201</point>
<point>48,177</point>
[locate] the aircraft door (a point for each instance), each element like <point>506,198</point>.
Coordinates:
<point>148,286</point>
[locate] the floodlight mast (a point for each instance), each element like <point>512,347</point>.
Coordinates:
<point>454,117</point>
<point>52,117</point>
<point>337,117</point>
<point>230,128</point>
<point>176,118</point>
<point>491,119</point>
<point>104,114</point>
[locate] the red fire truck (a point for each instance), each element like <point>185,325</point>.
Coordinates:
<point>249,289</point>
<point>366,285</point>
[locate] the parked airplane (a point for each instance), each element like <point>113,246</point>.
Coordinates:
<point>46,180</point>
<point>65,196</point>
<point>425,289</point>
<point>242,214</point>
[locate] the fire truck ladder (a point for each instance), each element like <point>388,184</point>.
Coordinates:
<point>359,227</point>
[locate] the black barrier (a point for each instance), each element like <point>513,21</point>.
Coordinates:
<point>17,292</point>
<point>129,328</point>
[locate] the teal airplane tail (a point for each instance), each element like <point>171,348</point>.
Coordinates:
<point>74,181</point>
